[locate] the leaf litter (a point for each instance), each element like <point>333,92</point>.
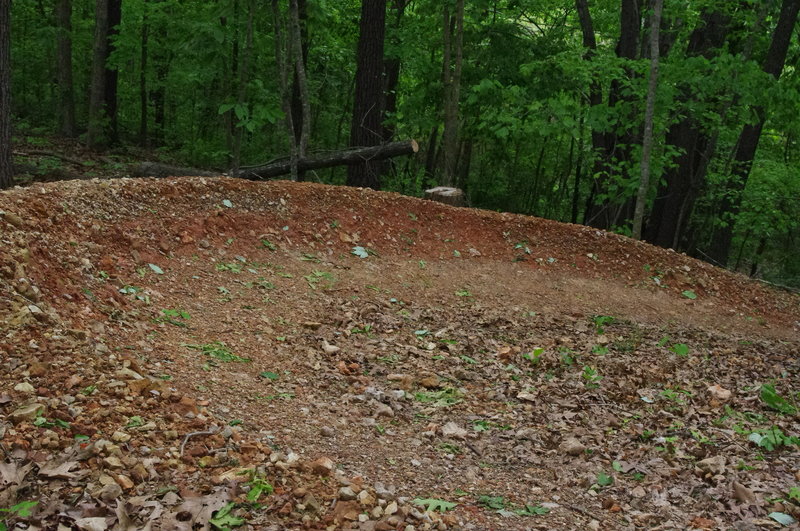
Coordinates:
<point>581,423</point>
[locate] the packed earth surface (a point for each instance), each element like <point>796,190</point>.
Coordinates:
<point>210,353</point>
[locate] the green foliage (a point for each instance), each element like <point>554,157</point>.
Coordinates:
<point>775,401</point>
<point>219,351</point>
<point>433,504</point>
<point>444,398</point>
<point>773,438</point>
<point>224,520</point>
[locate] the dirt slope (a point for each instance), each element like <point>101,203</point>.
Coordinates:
<point>171,346</point>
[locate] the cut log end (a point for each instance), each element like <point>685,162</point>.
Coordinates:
<point>447,195</point>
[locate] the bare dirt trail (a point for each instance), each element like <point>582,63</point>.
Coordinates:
<point>170,345</point>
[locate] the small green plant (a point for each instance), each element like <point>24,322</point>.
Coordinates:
<point>233,267</point>
<point>591,376</point>
<point>444,398</point>
<point>258,485</point>
<point>772,438</point>
<point>135,421</point>
<point>604,480</point>
<point>568,357</point>
<point>600,350</point>
<point>534,356</point>
<point>601,321</point>
<point>269,375</point>
<point>20,510</point>
<point>268,244</point>
<point>317,277</point>
<point>434,504</point>
<point>689,294</point>
<point>486,425</point>
<point>794,494</point>
<point>463,293</point>
<point>309,257</point>
<point>171,316</point>
<point>224,520</point>
<point>217,350</point>
<point>775,401</point>
<point>505,508</point>
<point>680,349</point>
<point>674,395</point>
<point>449,448</point>
<point>42,422</point>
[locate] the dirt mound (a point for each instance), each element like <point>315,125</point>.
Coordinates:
<point>200,351</point>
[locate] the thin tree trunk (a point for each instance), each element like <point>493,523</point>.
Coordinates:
<point>430,152</point>
<point>649,118</point>
<point>96,135</point>
<point>602,210</point>
<point>391,67</point>
<point>143,77</point>
<point>681,184</point>
<point>296,39</point>
<point>747,145</point>
<point>66,96</point>
<point>366,129</point>
<point>5,96</point>
<point>454,50</point>
<point>112,74</point>
<point>297,100</point>
<point>282,52</point>
<point>241,97</point>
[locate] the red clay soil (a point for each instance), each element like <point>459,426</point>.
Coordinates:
<point>195,352</point>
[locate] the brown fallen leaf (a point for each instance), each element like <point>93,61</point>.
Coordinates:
<point>60,471</point>
<point>743,494</point>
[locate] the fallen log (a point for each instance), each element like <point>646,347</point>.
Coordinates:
<point>447,195</point>
<point>156,169</point>
<point>338,158</point>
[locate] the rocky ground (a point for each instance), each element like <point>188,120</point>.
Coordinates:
<point>204,353</point>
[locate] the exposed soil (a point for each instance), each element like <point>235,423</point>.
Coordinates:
<point>168,346</point>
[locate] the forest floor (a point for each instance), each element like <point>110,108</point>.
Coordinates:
<point>182,353</point>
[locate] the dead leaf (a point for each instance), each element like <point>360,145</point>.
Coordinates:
<point>61,471</point>
<point>743,494</point>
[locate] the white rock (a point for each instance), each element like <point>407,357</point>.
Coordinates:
<point>453,430</point>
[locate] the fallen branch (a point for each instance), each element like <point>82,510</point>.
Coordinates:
<point>339,158</point>
<point>156,169</point>
<point>54,155</point>
<point>212,431</point>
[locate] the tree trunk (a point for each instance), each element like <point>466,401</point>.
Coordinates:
<point>649,118</point>
<point>747,145</point>
<point>454,51</point>
<point>681,183</point>
<point>96,136</point>
<point>145,34</point>
<point>391,67</point>
<point>241,97</point>
<point>297,42</point>
<point>66,97</point>
<point>366,128</point>
<point>351,157</point>
<point>297,98</point>
<point>282,60</point>
<point>6,170</point>
<point>602,210</point>
<point>112,74</point>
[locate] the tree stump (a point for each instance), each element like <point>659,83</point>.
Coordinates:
<point>447,195</point>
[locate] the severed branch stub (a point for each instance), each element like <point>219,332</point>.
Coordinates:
<point>447,195</point>
<point>212,431</point>
<point>339,158</point>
